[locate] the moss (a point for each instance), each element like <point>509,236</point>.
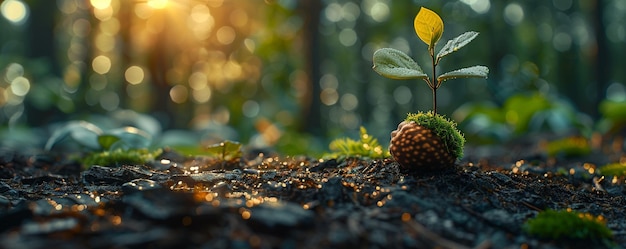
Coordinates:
<point>613,169</point>
<point>567,224</point>
<point>444,128</point>
<point>118,157</point>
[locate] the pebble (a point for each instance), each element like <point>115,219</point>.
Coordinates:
<point>139,185</point>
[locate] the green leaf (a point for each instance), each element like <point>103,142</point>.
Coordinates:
<point>82,132</point>
<point>395,64</point>
<point>456,43</point>
<point>107,140</point>
<point>468,72</point>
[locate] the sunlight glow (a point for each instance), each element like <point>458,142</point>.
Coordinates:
<point>100,4</point>
<point>15,11</point>
<point>157,4</point>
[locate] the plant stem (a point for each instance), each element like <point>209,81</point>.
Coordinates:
<point>434,82</point>
<point>435,101</point>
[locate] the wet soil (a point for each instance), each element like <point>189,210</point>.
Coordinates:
<point>48,201</point>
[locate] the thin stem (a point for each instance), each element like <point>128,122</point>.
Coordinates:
<point>435,101</point>
<point>434,82</point>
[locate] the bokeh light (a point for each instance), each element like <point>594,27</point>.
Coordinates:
<point>378,10</point>
<point>179,94</point>
<point>20,86</point>
<point>513,14</point>
<point>101,64</point>
<point>15,11</point>
<point>134,75</point>
<point>100,4</point>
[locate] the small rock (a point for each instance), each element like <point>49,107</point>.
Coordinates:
<point>139,185</point>
<point>281,214</point>
<point>115,176</point>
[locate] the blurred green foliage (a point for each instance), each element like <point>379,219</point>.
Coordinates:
<point>520,114</point>
<point>567,225</point>
<point>120,157</point>
<point>568,147</point>
<point>613,169</point>
<point>296,74</point>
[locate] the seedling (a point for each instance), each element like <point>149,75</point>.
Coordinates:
<point>426,140</point>
<point>568,224</point>
<point>395,64</point>
<point>226,151</point>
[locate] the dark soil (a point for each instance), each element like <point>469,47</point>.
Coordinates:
<point>48,201</point>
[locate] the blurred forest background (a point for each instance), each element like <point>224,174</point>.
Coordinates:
<point>295,74</point>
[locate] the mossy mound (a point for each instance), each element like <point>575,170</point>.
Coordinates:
<point>443,127</point>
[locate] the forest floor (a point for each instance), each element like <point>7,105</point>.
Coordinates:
<point>49,201</point>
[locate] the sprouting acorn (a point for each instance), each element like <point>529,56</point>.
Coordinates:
<point>426,142</point>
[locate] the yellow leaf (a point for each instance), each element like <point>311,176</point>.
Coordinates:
<point>428,26</point>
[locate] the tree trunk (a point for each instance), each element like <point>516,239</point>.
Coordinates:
<point>311,111</point>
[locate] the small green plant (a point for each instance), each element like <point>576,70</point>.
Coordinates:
<point>395,64</point>
<point>568,225</point>
<point>568,147</point>
<point>367,147</point>
<point>613,169</point>
<point>226,150</point>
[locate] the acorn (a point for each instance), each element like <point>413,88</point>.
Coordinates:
<point>426,142</point>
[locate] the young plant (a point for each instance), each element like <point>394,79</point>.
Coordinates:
<point>395,64</point>
<point>426,141</point>
<point>225,151</point>
<point>367,146</point>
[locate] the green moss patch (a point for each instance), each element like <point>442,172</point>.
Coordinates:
<point>567,224</point>
<point>444,128</point>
